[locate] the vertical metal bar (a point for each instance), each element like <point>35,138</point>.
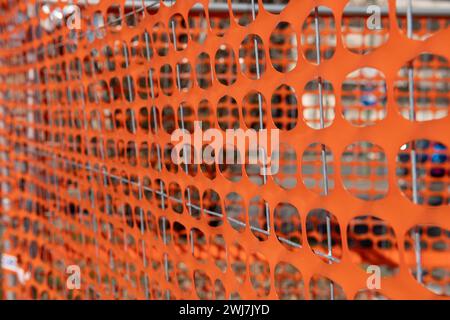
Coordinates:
<point>266,205</point>
<point>413,155</point>
<point>323,147</point>
<point>110,227</point>
<point>147,49</point>
<point>258,69</point>
<point>409,19</point>
<point>418,254</point>
<point>317,34</point>
<point>144,259</point>
<point>166,262</point>
<point>254,10</point>
<point>125,53</point>
<point>260,113</point>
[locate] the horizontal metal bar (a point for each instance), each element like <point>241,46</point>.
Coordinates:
<point>326,256</point>
<point>435,8</point>
<point>87,167</point>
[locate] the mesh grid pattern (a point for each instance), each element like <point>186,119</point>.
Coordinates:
<point>87,179</point>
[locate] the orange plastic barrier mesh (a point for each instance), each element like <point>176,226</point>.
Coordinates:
<point>86,117</point>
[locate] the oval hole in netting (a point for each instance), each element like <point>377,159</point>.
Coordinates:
<point>235,210</point>
<point>203,285</point>
<point>218,251</point>
<point>160,39</point>
<point>259,217</point>
<point>199,245</point>
<point>238,262</point>
<point>160,194</point>
<point>178,28</point>
<point>184,75</point>
<point>220,293</point>
<point>198,25</point>
<point>230,163</point>
<point>184,280</point>
<point>154,119</point>
<point>228,113</point>
<point>372,242</point>
<point>208,166</point>
<point>225,65</point>
<point>324,235</point>
<point>259,270</point>
<point>155,157</point>
<point>326,25</point>
<point>212,208</point>
<point>284,106</point>
<point>188,157</point>
<point>287,223</point>
<point>431,245</point>
<point>143,120</point>
<point>186,117</point>
<point>130,121</point>
<point>314,176</point>
<point>153,83</point>
<point>219,22</point>
<point>428,75</point>
<point>166,80</point>
<point>192,201</point>
<point>252,57</point>
<point>323,288</point>
<point>283,48</point>
<point>165,230</point>
<point>146,51</point>
<point>176,197</point>
<point>311,101</point>
<point>168,3</point>
<point>370,294</point>
<point>180,241</point>
<point>244,12</point>
<point>432,169</point>
<point>289,283</point>
<point>168,163</point>
<point>421,28</point>
<point>365,25</point>
<point>286,177</point>
<point>133,14</point>
<point>254,110</point>
<point>168,119</point>
<point>364,97</point>
<point>114,18</point>
<point>275,6</point>
<point>253,166</point>
<point>203,71</point>
<point>364,171</point>
<point>206,115</point>
<point>152,226</point>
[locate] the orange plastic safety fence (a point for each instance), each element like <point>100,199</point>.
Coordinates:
<point>86,117</point>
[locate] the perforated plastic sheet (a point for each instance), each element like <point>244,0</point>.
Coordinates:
<point>87,177</point>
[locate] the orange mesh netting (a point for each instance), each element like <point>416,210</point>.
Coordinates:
<point>87,178</point>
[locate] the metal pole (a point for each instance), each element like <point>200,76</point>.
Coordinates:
<point>323,147</point>
<point>413,155</point>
